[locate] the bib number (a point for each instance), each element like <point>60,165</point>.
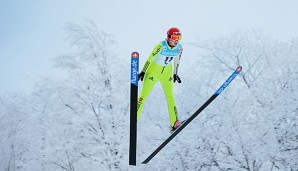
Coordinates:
<point>168,60</point>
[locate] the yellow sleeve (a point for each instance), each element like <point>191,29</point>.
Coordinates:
<point>155,52</point>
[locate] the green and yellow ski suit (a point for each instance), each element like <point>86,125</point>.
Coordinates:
<point>159,67</point>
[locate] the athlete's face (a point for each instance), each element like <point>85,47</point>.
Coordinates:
<point>173,42</point>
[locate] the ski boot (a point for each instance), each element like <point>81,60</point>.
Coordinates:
<point>177,124</point>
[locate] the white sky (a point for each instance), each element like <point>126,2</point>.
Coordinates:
<point>32,32</point>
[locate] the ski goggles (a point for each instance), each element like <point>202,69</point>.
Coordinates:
<point>176,37</point>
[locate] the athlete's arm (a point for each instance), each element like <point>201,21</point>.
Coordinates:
<point>155,52</point>
<point>176,62</point>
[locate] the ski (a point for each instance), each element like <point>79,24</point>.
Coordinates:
<point>133,107</point>
<point>223,86</point>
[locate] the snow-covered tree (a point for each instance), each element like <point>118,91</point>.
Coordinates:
<point>79,120</point>
<point>249,113</point>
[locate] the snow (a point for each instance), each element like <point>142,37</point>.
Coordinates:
<point>81,122</point>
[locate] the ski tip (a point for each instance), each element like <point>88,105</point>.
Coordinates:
<point>239,68</point>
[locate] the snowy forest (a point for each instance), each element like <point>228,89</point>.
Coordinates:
<point>79,121</point>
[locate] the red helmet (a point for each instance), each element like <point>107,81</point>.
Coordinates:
<point>174,33</point>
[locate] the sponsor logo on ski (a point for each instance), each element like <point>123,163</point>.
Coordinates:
<point>134,68</point>
<point>226,83</point>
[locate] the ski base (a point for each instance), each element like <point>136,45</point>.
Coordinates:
<point>222,87</point>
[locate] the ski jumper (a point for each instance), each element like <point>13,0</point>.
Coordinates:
<point>159,67</point>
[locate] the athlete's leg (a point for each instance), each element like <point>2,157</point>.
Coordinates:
<point>168,86</point>
<point>150,80</point>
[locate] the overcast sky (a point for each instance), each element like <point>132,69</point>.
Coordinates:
<point>32,31</point>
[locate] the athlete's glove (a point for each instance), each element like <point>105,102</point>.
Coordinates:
<point>141,76</point>
<point>177,78</point>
